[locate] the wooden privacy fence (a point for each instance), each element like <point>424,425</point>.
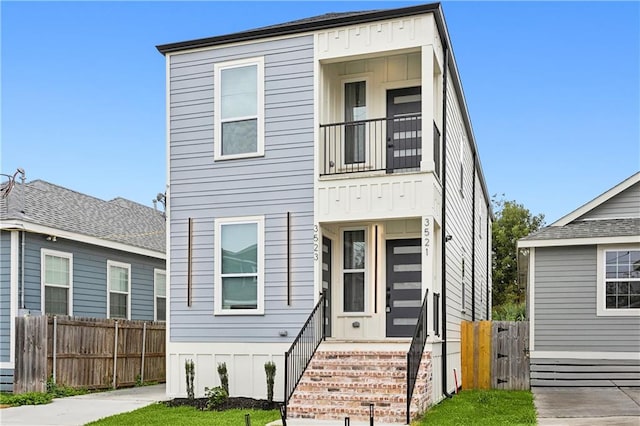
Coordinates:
<point>495,355</point>
<point>87,353</point>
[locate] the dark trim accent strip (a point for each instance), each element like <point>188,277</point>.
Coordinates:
<point>288,258</point>
<point>375,271</point>
<point>190,262</point>
<point>473,242</point>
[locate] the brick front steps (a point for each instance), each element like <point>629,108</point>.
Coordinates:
<point>339,384</point>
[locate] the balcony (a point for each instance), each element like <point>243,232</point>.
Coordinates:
<point>384,145</point>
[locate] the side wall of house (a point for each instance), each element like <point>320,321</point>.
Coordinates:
<point>571,342</point>
<point>460,226</point>
<point>623,205</point>
<point>269,186</point>
<point>6,374</point>
<point>90,277</point>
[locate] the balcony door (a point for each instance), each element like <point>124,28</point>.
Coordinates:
<point>404,129</point>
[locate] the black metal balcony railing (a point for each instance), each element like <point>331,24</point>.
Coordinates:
<point>297,358</point>
<point>380,144</point>
<point>414,355</point>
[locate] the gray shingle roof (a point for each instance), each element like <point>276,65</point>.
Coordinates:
<point>588,229</point>
<point>118,220</point>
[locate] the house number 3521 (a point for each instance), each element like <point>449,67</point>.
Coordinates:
<point>426,236</point>
<point>316,243</point>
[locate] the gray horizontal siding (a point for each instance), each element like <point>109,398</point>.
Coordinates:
<point>6,379</point>
<point>565,305</point>
<point>5,296</point>
<point>90,277</point>
<point>624,205</point>
<point>584,372</point>
<point>269,186</point>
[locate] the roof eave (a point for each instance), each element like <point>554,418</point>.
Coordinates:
<point>296,28</point>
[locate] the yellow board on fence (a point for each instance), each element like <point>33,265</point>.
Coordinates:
<point>476,354</point>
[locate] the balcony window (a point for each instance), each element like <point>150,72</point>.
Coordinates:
<point>355,109</point>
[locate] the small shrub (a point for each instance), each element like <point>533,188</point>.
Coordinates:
<point>224,376</point>
<point>510,311</point>
<point>215,397</point>
<point>270,370</point>
<point>61,391</point>
<point>190,372</point>
<point>28,398</point>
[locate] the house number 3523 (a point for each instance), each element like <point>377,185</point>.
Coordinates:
<point>316,243</point>
<point>426,236</point>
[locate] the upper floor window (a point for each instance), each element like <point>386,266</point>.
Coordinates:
<point>160,294</point>
<point>239,108</point>
<point>57,282</point>
<point>618,281</point>
<point>239,265</point>
<point>355,109</point>
<point>118,292</point>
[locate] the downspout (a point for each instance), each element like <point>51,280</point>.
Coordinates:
<point>489,256</point>
<point>444,222</point>
<point>24,237</point>
<point>473,242</point>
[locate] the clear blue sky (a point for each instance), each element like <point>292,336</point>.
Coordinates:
<point>553,90</point>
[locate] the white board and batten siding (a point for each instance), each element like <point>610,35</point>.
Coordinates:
<point>281,181</point>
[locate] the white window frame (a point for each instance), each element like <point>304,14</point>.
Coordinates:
<point>44,252</point>
<point>367,262</point>
<point>219,223</point>
<point>127,266</point>
<point>217,69</point>
<point>601,305</point>
<point>156,272</point>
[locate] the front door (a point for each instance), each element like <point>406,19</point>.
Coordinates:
<point>404,129</point>
<point>326,283</point>
<point>404,286</point>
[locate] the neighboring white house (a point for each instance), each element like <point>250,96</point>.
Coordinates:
<point>584,293</point>
<point>326,159</point>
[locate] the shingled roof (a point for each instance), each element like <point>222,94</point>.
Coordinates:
<point>118,220</point>
<point>588,229</point>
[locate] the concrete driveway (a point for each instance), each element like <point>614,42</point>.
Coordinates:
<point>585,406</point>
<point>82,409</point>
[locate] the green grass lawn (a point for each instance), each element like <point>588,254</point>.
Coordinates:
<point>479,408</point>
<point>159,414</point>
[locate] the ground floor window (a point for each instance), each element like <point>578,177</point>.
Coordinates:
<point>57,273</point>
<point>622,279</point>
<point>354,270</point>
<point>119,285</point>
<point>160,294</point>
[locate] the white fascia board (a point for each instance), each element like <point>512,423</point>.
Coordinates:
<point>585,355</point>
<point>632,180</point>
<point>579,241</point>
<point>41,229</point>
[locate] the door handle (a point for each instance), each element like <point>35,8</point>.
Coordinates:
<point>388,307</point>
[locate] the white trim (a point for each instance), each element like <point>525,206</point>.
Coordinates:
<point>584,355</point>
<point>41,229</point>
<point>13,298</point>
<point>156,272</point>
<point>69,256</point>
<point>167,208</point>
<point>532,299</point>
<point>601,309</point>
<point>630,181</point>
<point>259,221</point>
<point>218,68</point>
<point>126,266</point>
<point>578,241</point>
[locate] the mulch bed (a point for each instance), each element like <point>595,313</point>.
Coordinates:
<point>233,402</point>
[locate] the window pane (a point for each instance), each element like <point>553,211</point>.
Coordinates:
<point>634,287</point>
<point>623,288</point>
<point>612,271</point>
<point>611,302</point>
<point>355,109</point>
<point>56,300</point>
<point>118,305</point>
<point>354,292</point>
<point>611,257</point>
<point>239,248</point>
<point>354,250</point>
<point>56,270</point>
<point>161,284</point>
<point>623,302</point>
<point>611,289</point>
<point>239,91</point>
<point>161,311</point>
<point>240,137</point>
<point>239,293</point>
<point>119,279</point>
<point>634,302</point>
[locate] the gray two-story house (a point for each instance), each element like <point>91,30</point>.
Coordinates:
<point>324,190</point>
<point>67,253</point>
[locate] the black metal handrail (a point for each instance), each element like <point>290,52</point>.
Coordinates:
<point>377,144</point>
<point>299,355</point>
<point>414,355</point>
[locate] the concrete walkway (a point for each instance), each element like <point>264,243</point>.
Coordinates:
<point>583,406</point>
<point>82,409</point>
